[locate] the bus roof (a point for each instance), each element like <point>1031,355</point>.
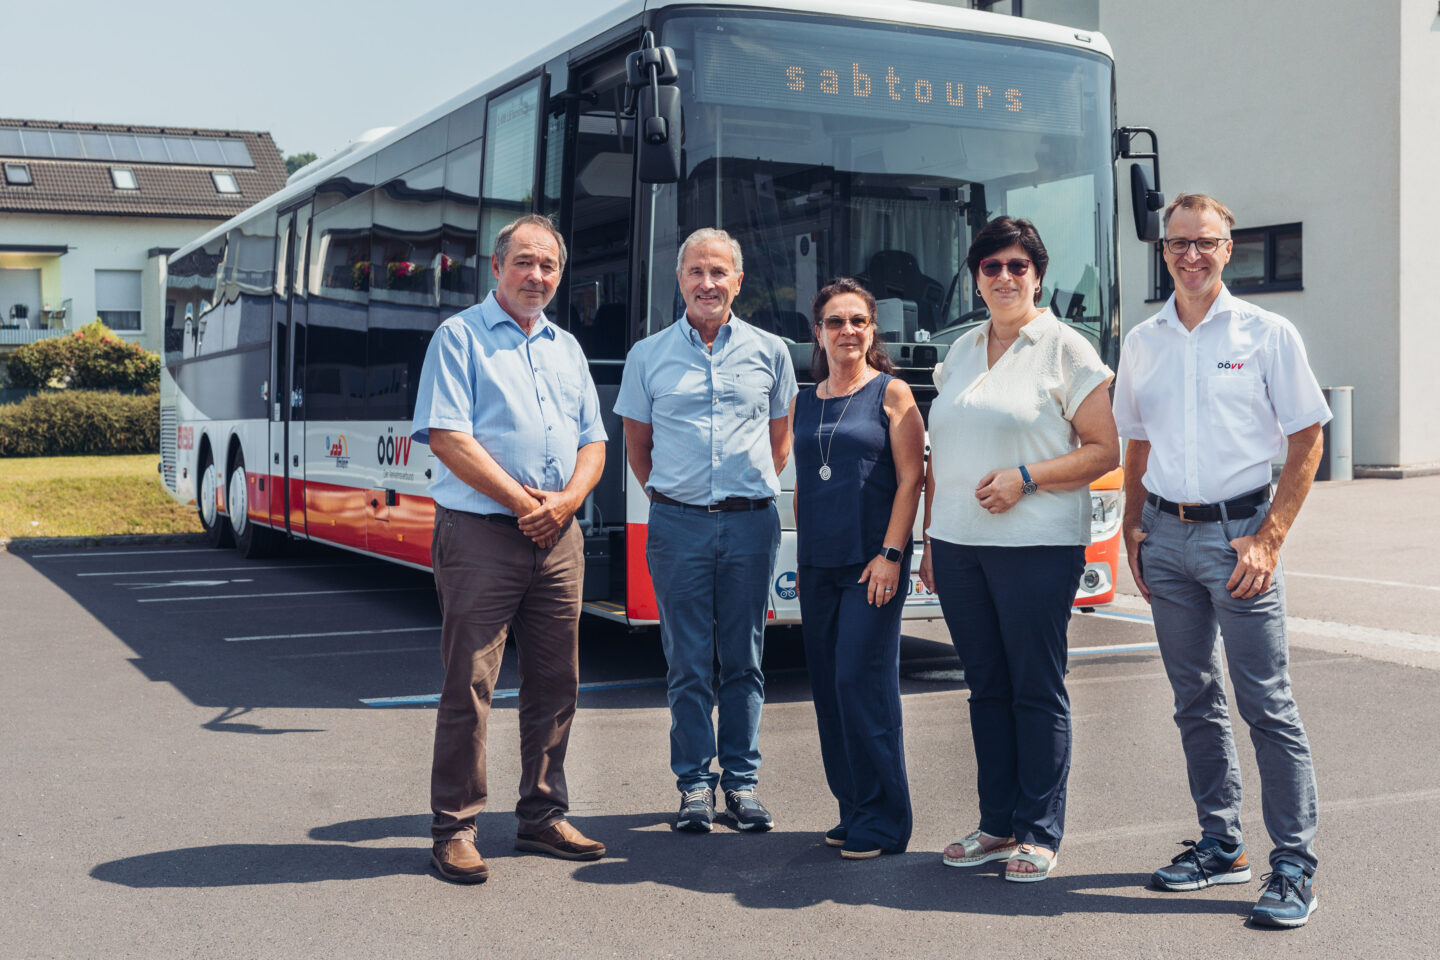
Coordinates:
<point>937,13</point>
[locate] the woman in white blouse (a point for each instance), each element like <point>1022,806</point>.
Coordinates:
<point>1021,426</point>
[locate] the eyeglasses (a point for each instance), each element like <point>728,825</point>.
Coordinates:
<point>1179,245</point>
<point>859,322</point>
<point>1017,267</point>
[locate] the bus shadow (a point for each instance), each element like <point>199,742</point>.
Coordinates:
<point>322,628</point>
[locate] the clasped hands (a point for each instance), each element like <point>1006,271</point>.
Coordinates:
<point>546,520</point>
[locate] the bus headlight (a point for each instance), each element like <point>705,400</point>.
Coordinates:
<point>1104,514</point>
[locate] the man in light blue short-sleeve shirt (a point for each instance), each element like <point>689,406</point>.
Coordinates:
<point>706,404</point>
<point>508,408</point>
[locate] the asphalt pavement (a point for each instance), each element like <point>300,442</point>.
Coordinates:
<point>211,757</point>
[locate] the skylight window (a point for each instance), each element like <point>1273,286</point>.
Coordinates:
<point>18,174</point>
<point>123,178</point>
<point>224,182</point>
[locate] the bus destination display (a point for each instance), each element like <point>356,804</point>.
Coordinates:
<point>923,79</point>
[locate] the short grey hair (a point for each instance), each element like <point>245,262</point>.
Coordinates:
<point>507,232</point>
<point>705,235</point>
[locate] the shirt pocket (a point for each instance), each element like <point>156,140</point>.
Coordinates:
<point>569,388</point>
<point>1232,400</point>
<point>750,396</point>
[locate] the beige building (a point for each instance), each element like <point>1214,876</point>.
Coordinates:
<point>88,213</point>
<point>1318,124</point>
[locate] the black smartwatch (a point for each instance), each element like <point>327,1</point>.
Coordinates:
<point>892,554</point>
<point>1027,486</point>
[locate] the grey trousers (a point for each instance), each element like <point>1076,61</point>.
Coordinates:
<point>1185,565</point>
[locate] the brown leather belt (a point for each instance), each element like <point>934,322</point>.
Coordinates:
<point>728,505</point>
<point>1238,508</point>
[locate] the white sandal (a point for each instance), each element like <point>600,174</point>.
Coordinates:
<point>1029,853</point>
<point>976,853</point>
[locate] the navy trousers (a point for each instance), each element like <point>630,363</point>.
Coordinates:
<point>1007,609</point>
<point>853,653</point>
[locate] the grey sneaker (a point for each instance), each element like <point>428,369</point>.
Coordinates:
<point>697,810</point>
<point>748,811</point>
<point>1202,865</point>
<point>1288,900</point>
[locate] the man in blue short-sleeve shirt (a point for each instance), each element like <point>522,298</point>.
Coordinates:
<point>706,404</point>
<point>508,408</point>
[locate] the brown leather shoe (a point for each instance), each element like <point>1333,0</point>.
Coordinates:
<point>459,861</point>
<point>562,840</point>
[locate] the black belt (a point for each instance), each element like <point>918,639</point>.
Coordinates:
<point>1239,508</point>
<point>504,518</point>
<point>728,505</point>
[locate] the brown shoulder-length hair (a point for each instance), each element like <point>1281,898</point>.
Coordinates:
<point>878,357</point>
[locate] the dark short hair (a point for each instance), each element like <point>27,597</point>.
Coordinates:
<point>507,232</point>
<point>1005,232</point>
<point>877,356</point>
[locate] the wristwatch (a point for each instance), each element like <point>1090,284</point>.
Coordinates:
<point>892,554</point>
<point>1028,486</point>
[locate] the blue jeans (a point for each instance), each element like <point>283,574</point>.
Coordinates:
<point>712,585</point>
<point>1008,609</point>
<point>1185,565</point>
<point>852,652</point>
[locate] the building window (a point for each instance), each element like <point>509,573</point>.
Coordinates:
<point>1262,260</point>
<point>117,298</point>
<point>224,182</point>
<point>123,178</point>
<point>18,174</point>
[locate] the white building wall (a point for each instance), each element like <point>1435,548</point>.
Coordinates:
<point>104,243</point>
<point>1418,262</point>
<point>1293,113</point>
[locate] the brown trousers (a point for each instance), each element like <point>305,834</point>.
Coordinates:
<point>491,579</point>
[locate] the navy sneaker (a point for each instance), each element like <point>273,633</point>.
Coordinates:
<point>1289,897</point>
<point>835,836</point>
<point>748,811</point>
<point>697,810</point>
<point>1204,864</point>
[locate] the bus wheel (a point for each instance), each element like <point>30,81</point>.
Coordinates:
<point>251,540</point>
<point>217,527</point>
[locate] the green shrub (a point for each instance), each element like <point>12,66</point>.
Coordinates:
<point>80,421</point>
<point>92,358</point>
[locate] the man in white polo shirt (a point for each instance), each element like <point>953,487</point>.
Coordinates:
<point>1208,393</point>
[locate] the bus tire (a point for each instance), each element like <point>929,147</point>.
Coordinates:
<point>251,540</point>
<point>216,525</point>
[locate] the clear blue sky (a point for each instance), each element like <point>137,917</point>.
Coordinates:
<point>315,73</point>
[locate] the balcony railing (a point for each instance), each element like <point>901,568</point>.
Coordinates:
<point>41,325</point>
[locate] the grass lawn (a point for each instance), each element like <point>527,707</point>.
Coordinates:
<point>88,497</point>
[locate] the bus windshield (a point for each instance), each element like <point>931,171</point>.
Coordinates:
<point>878,151</point>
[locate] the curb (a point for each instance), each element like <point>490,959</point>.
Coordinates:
<point>1405,472</point>
<point>27,544</point>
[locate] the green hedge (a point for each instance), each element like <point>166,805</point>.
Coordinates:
<point>91,358</point>
<point>80,421</point>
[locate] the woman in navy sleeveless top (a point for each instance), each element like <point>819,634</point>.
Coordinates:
<point>859,448</point>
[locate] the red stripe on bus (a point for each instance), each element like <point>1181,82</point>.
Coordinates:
<point>639,591</point>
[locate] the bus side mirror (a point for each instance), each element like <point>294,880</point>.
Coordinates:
<point>658,143</point>
<point>1146,200</point>
<point>650,73</point>
<point>1147,203</point>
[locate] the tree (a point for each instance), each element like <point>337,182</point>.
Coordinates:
<point>297,160</point>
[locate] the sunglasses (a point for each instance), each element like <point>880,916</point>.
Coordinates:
<point>1017,267</point>
<point>859,322</point>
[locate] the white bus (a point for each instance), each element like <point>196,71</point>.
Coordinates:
<point>872,139</point>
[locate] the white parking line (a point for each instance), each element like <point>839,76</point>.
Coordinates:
<point>328,633</point>
<point>255,567</point>
<point>1330,630</point>
<point>82,554</point>
<point>1377,583</point>
<point>351,653</point>
<point>288,593</point>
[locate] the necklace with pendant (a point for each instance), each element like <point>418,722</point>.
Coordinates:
<point>825,472</point>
